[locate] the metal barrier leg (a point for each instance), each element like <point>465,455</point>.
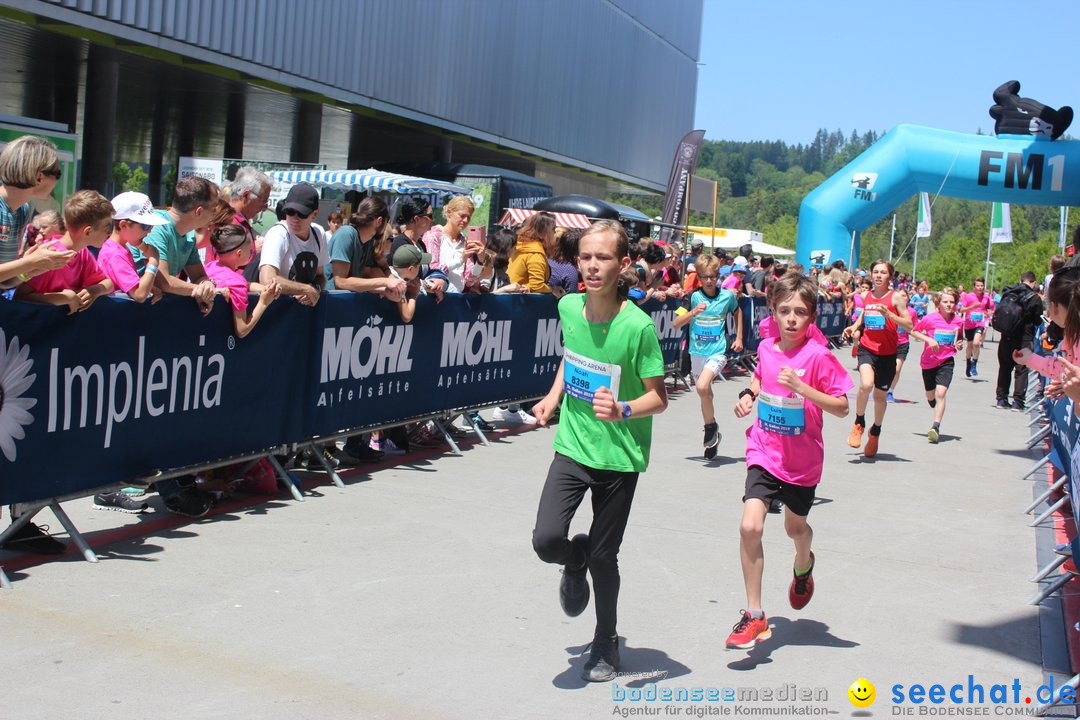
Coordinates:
<point>285,478</point>
<point>334,477</point>
<point>1036,419</point>
<point>476,429</point>
<point>1050,511</point>
<point>4,582</point>
<point>1046,495</point>
<point>1038,437</point>
<point>446,435</point>
<point>1035,467</point>
<point>1050,567</point>
<point>1072,682</point>
<point>1051,588</point>
<point>73,532</point>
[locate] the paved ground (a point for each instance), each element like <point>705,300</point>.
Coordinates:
<point>414,592</point>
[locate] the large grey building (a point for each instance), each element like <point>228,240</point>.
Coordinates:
<point>588,95</point>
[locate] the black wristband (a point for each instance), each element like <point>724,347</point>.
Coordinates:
<point>748,391</point>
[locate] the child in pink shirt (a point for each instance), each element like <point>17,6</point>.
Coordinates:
<point>87,215</point>
<point>232,251</point>
<point>943,333</point>
<point>133,219</point>
<point>797,378</point>
<point>976,307</point>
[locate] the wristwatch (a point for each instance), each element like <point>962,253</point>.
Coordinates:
<point>626,411</point>
<point>748,391</point>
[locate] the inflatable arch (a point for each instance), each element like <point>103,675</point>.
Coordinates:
<point>1020,169</point>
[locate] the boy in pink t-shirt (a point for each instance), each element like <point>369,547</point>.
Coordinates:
<point>943,333</point>
<point>133,219</point>
<point>976,307</point>
<point>232,248</point>
<point>80,282</point>
<point>797,378</point>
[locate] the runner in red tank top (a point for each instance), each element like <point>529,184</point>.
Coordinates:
<point>884,311</point>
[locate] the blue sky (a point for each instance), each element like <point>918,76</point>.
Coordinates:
<point>781,69</point>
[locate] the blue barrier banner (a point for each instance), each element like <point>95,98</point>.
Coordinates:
<point>124,389</point>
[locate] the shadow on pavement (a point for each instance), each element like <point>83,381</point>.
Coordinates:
<point>787,632</point>
<point>1013,638</point>
<point>638,667</point>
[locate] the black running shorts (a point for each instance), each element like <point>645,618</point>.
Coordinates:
<point>765,486</point>
<point>884,367</point>
<point>940,375</point>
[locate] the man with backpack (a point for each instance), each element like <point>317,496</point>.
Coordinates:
<point>1016,317</point>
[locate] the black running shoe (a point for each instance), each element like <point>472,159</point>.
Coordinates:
<point>574,585</point>
<point>712,440</point>
<point>32,538</point>
<point>603,660</point>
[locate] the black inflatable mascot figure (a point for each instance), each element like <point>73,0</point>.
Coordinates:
<point>1014,115</point>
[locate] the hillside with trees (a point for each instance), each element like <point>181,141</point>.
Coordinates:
<point>761,184</point>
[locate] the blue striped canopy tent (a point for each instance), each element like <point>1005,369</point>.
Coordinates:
<point>373,180</point>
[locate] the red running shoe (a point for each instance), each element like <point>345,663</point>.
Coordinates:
<point>748,632</point>
<point>802,587</point>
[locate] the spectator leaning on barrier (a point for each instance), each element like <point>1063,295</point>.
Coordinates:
<point>172,243</point>
<point>459,260</point>
<point>565,277</point>
<point>88,216</point>
<point>249,195</point>
<point>529,263</point>
<point>133,220</point>
<point>232,248</point>
<point>353,260</point>
<point>295,250</point>
<point>29,170</point>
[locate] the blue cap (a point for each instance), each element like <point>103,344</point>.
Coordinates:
<point>725,271</point>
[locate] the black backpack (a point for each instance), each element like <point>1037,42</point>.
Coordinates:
<point>1010,315</point>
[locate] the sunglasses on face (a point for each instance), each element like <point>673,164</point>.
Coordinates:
<point>428,215</point>
<point>56,172</point>
<point>290,213</point>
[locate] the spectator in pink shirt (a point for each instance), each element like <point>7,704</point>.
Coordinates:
<point>88,216</point>
<point>133,219</point>
<point>232,247</point>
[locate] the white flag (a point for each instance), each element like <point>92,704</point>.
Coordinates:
<point>1000,224</point>
<point>923,229</point>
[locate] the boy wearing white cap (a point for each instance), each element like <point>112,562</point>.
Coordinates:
<point>134,219</point>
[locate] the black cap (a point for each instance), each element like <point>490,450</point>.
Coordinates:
<point>302,198</point>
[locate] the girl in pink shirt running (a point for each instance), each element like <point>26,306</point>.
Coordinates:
<point>943,333</point>
<point>797,378</point>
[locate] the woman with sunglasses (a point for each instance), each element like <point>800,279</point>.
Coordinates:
<point>29,170</point>
<point>414,218</point>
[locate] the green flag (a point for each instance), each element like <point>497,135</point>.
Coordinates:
<point>1000,225</point>
<point>923,229</point>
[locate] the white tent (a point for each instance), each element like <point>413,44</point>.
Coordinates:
<point>732,239</point>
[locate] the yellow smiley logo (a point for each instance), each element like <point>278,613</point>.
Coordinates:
<point>862,693</point>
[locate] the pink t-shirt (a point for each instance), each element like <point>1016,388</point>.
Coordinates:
<point>223,277</point>
<point>785,438</point>
<point>81,271</point>
<point>859,303</point>
<point>976,317</point>
<point>732,281</point>
<point>902,337</point>
<point>945,332</point>
<point>116,261</point>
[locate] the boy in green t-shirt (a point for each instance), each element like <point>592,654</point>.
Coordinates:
<point>613,374</point>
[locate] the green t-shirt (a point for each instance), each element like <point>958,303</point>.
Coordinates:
<point>630,342</point>
<point>176,249</point>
